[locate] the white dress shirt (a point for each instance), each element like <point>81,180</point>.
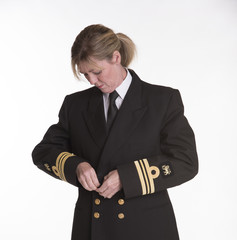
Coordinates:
<point>121,90</point>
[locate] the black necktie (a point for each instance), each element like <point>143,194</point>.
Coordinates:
<point>112,109</point>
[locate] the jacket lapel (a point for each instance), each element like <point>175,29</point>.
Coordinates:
<point>128,117</point>
<point>95,117</point>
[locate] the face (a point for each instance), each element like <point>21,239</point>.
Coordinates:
<point>105,75</point>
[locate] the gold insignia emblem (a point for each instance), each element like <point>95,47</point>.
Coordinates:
<point>47,167</point>
<point>166,170</point>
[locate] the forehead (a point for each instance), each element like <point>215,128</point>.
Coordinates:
<point>93,65</point>
<point>84,68</point>
<point>89,66</point>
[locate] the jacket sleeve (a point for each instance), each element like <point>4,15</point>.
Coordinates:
<point>177,163</point>
<point>53,154</point>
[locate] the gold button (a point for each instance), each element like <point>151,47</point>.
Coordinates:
<point>121,201</point>
<point>121,216</point>
<point>97,201</point>
<point>96,215</point>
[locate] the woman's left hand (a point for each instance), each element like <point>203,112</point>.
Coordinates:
<point>111,185</point>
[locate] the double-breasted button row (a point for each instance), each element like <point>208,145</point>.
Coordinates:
<point>120,202</point>
<point>120,215</point>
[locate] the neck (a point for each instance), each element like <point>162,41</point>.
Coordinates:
<point>123,73</point>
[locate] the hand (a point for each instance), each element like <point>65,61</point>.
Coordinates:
<point>87,176</point>
<point>111,185</point>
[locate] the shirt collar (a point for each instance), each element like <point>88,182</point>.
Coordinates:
<point>123,87</point>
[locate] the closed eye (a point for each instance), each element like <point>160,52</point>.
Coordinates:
<point>97,73</point>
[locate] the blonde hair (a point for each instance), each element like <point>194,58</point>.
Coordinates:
<point>100,42</point>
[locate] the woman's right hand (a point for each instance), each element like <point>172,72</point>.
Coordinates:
<point>87,177</point>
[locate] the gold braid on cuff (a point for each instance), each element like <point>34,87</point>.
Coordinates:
<point>60,162</point>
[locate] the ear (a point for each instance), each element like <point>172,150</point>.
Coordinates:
<point>116,58</point>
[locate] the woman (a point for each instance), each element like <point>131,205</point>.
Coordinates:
<point>122,142</point>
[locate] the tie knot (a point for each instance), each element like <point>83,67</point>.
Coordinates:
<point>113,96</point>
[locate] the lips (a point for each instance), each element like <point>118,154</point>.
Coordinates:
<point>100,86</point>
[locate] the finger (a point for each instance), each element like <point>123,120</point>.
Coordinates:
<point>105,190</point>
<point>109,193</point>
<point>84,184</point>
<point>106,177</point>
<point>103,187</point>
<point>104,193</point>
<point>90,183</point>
<point>87,176</point>
<point>95,179</point>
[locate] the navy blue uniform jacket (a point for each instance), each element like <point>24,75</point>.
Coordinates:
<point>152,146</point>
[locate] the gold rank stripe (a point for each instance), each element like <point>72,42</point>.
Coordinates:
<point>60,162</point>
<point>146,175</point>
<point>139,171</point>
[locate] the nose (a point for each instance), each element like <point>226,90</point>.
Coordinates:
<point>92,79</point>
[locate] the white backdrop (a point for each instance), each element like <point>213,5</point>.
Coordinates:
<point>190,45</point>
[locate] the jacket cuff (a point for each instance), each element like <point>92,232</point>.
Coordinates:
<point>142,177</point>
<point>70,170</point>
<point>66,165</point>
<point>129,178</point>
